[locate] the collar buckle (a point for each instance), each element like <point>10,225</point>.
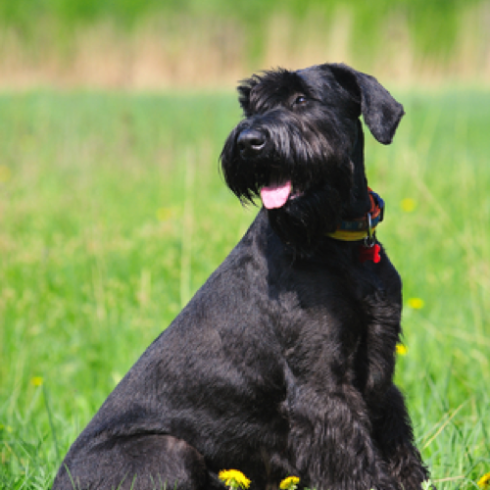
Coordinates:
<point>370,240</point>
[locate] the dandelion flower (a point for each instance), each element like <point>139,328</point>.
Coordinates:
<point>234,479</point>
<point>484,481</point>
<point>408,204</point>
<point>401,349</point>
<point>163,214</point>
<point>5,174</point>
<point>289,483</point>
<point>37,381</point>
<point>416,303</point>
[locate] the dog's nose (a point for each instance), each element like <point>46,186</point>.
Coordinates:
<point>251,142</point>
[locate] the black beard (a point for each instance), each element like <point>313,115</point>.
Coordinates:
<point>303,221</point>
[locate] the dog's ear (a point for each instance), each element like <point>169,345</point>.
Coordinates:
<point>381,112</point>
<point>244,90</point>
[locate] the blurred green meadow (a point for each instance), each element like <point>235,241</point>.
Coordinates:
<point>113,212</point>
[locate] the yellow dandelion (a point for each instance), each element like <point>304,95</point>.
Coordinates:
<point>5,174</point>
<point>401,349</point>
<point>37,381</point>
<point>416,303</point>
<point>408,204</point>
<point>289,483</point>
<point>234,479</point>
<point>164,214</point>
<point>484,481</point>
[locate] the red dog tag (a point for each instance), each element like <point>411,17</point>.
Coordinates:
<point>370,253</point>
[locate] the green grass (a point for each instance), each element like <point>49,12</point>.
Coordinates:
<point>113,212</point>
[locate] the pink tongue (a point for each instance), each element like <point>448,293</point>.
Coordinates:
<point>275,196</point>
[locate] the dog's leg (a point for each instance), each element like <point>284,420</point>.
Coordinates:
<point>392,430</point>
<point>138,462</point>
<point>335,450</point>
<point>394,436</point>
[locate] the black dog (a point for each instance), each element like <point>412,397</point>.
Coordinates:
<point>282,364</point>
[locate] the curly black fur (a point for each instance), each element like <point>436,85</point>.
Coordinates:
<point>282,363</point>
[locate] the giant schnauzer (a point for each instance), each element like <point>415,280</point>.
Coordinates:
<point>282,363</point>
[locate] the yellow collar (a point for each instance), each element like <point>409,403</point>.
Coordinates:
<point>362,228</point>
<point>350,236</point>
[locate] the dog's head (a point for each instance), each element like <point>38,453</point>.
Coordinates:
<point>299,147</point>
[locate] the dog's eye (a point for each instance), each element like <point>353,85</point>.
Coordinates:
<point>300,100</point>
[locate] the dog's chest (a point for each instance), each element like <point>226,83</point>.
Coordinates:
<point>363,291</point>
<point>339,322</point>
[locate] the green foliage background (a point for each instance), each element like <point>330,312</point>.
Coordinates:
<point>433,24</point>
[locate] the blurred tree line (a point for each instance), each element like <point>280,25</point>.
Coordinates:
<point>434,29</point>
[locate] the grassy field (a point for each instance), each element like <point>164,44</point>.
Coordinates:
<point>113,212</point>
